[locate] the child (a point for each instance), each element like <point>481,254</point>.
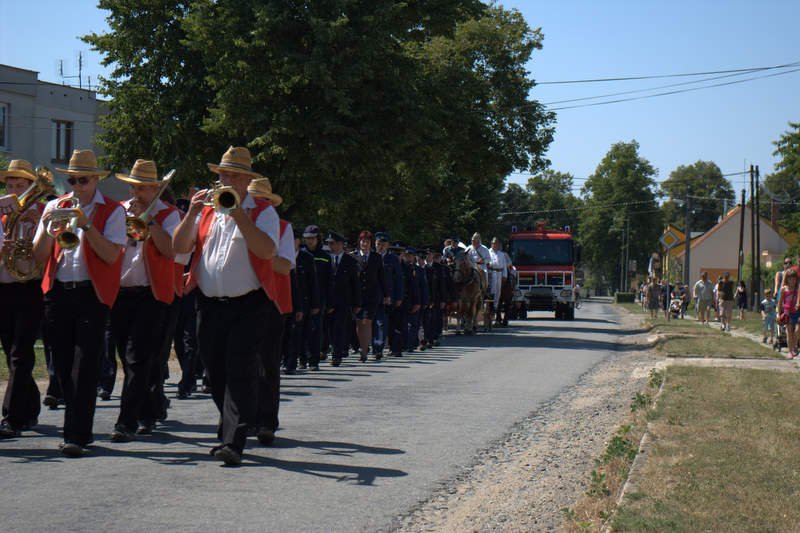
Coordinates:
<point>788,306</point>
<point>768,314</point>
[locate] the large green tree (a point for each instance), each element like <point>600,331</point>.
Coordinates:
<point>620,198</point>
<point>783,185</point>
<point>710,190</point>
<point>380,114</point>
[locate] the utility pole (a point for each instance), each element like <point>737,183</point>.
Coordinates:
<point>688,241</point>
<point>752,234</point>
<point>622,262</point>
<point>740,260</point>
<point>627,248</point>
<point>760,285</point>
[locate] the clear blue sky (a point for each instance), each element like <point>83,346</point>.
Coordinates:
<point>733,126</point>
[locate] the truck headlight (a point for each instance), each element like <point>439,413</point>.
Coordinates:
<point>566,293</point>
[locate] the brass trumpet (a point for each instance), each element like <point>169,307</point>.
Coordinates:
<point>223,199</point>
<point>63,224</point>
<point>136,226</point>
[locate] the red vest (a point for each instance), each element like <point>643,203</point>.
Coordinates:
<point>161,271</point>
<point>105,278</point>
<point>261,267</point>
<point>283,283</point>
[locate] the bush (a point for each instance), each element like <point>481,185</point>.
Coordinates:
<point>624,297</point>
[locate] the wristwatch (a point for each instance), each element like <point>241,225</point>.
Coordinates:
<point>87,226</point>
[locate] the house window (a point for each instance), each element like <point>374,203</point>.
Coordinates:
<point>62,141</point>
<point>3,126</point>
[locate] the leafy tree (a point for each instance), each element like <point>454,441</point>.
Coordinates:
<point>551,194</point>
<point>783,186</point>
<point>705,182</point>
<point>619,196</point>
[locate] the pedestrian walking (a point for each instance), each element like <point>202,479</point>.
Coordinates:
<point>703,294</point>
<point>741,300</point>
<point>787,305</point>
<point>768,316</point>
<point>726,299</point>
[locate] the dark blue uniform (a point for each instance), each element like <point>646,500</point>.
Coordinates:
<point>411,298</point>
<point>316,329</point>
<point>415,319</point>
<point>344,294</point>
<point>383,328</point>
<point>305,297</point>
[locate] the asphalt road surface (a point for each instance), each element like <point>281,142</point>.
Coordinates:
<point>359,446</point>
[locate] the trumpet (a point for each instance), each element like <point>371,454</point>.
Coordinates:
<point>136,225</point>
<point>63,224</point>
<point>223,199</point>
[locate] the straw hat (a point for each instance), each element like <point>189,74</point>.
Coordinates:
<point>143,173</point>
<point>262,188</point>
<point>83,163</point>
<point>236,159</point>
<point>18,168</point>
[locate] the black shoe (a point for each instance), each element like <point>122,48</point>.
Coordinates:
<point>145,428</point>
<point>314,368</point>
<point>323,356</point>
<point>422,347</point>
<point>30,424</point>
<point>6,431</point>
<point>104,395</point>
<point>302,366</point>
<point>436,342</point>
<point>182,395</point>
<point>397,354</point>
<point>51,401</point>
<point>336,361</point>
<point>363,358</point>
<point>70,449</point>
<point>265,436</point>
<point>228,455</point>
<point>289,372</point>
<point>121,434</point>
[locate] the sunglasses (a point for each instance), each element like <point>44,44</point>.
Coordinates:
<point>83,180</point>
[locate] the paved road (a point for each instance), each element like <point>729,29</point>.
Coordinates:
<point>360,444</point>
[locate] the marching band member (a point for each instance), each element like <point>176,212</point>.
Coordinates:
<point>269,382</point>
<point>147,288</point>
<point>80,284</point>
<point>232,267</point>
<point>21,311</point>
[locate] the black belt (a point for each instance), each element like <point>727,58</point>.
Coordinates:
<point>232,299</point>
<point>69,285</point>
<point>134,290</point>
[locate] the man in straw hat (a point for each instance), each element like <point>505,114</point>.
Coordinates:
<point>147,287</point>
<point>21,312</point>
<point>270,352</point>
<point>232,267</point>
<point>80,286</point>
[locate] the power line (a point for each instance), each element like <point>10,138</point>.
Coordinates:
<point>659,76</point>
<point>578,208</point>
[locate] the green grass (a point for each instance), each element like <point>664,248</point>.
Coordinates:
<point>724,455</point>
<point>39,369</point>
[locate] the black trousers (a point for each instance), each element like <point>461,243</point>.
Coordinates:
<point>294,341</point>
<point>137,325</point>
<point>230,332</point>
<point>75,320</point>
<point>269,382</point>
<point>186,342</point>
<point>397,325</point>
<point>20,319</point>
<point>340,324</point>
<point>108,362</point>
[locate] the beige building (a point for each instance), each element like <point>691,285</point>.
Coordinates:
<point>43,122</point>
<point>717,250</point>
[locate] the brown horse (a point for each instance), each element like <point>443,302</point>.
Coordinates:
<point>469,287</point>
<point>506,297</point>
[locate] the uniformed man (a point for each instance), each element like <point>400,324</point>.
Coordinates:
<point>80,284</point>
<point>305,301</point>
<point>411,298</point>
<point>390,316</point>
<point>20,311</point>
<point>344,297</point>
<point>316,329</point>
<point>232,268</point>
<point>434,270</point>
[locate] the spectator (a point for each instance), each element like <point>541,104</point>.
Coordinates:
<point>726,298</point>
<point>717,294</point>
<point>787,264</point>
<point>666,295</point>
<point>741,299</point>
<point>768,314</point>
<point>652,292</point>
<point>787,304</point>
<point>704,297</point>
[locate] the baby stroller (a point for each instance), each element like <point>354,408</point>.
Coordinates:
<point>675,305</point>
<point>780,337</point>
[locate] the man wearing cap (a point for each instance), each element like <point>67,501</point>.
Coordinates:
<point>232,268</point>
<point>344,297</point>
<point>283,265</point>
<point>147,287</point>
<point>386,326</point>
<point>305,301</point>
<point>434,271</point>
<point>20,311</point>
<point>316,329</point>
<point>80,285</point>
<point>411,298</point>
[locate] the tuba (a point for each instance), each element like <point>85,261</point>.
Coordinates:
<point>63,224</point>
<point>222,198</point>
<point>136,226</point>
<point>19,259</point>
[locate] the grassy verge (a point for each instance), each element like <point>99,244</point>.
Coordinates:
<point>720,461</point>
<point>39,369</point>
<point>606,480</point>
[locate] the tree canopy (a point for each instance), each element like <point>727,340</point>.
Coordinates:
<point>404,116</point>
<point>710,190</point>
<point>783,185</point>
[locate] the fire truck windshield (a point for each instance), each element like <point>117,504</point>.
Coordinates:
<point>541,252</point>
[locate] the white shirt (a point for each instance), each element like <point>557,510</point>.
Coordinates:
<point>286,245</point>
<point>499,260</point>
<point>224,269</point>
<point>481,252</point>
<point>134,271</point>
<point>72,266</point>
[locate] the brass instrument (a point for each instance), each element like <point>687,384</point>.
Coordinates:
<point>136,226</point>
<point>222,198</point>
<point>63,224</point>
<point>19,259</point>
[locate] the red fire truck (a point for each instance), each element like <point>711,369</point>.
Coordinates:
<point>545,263</point>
